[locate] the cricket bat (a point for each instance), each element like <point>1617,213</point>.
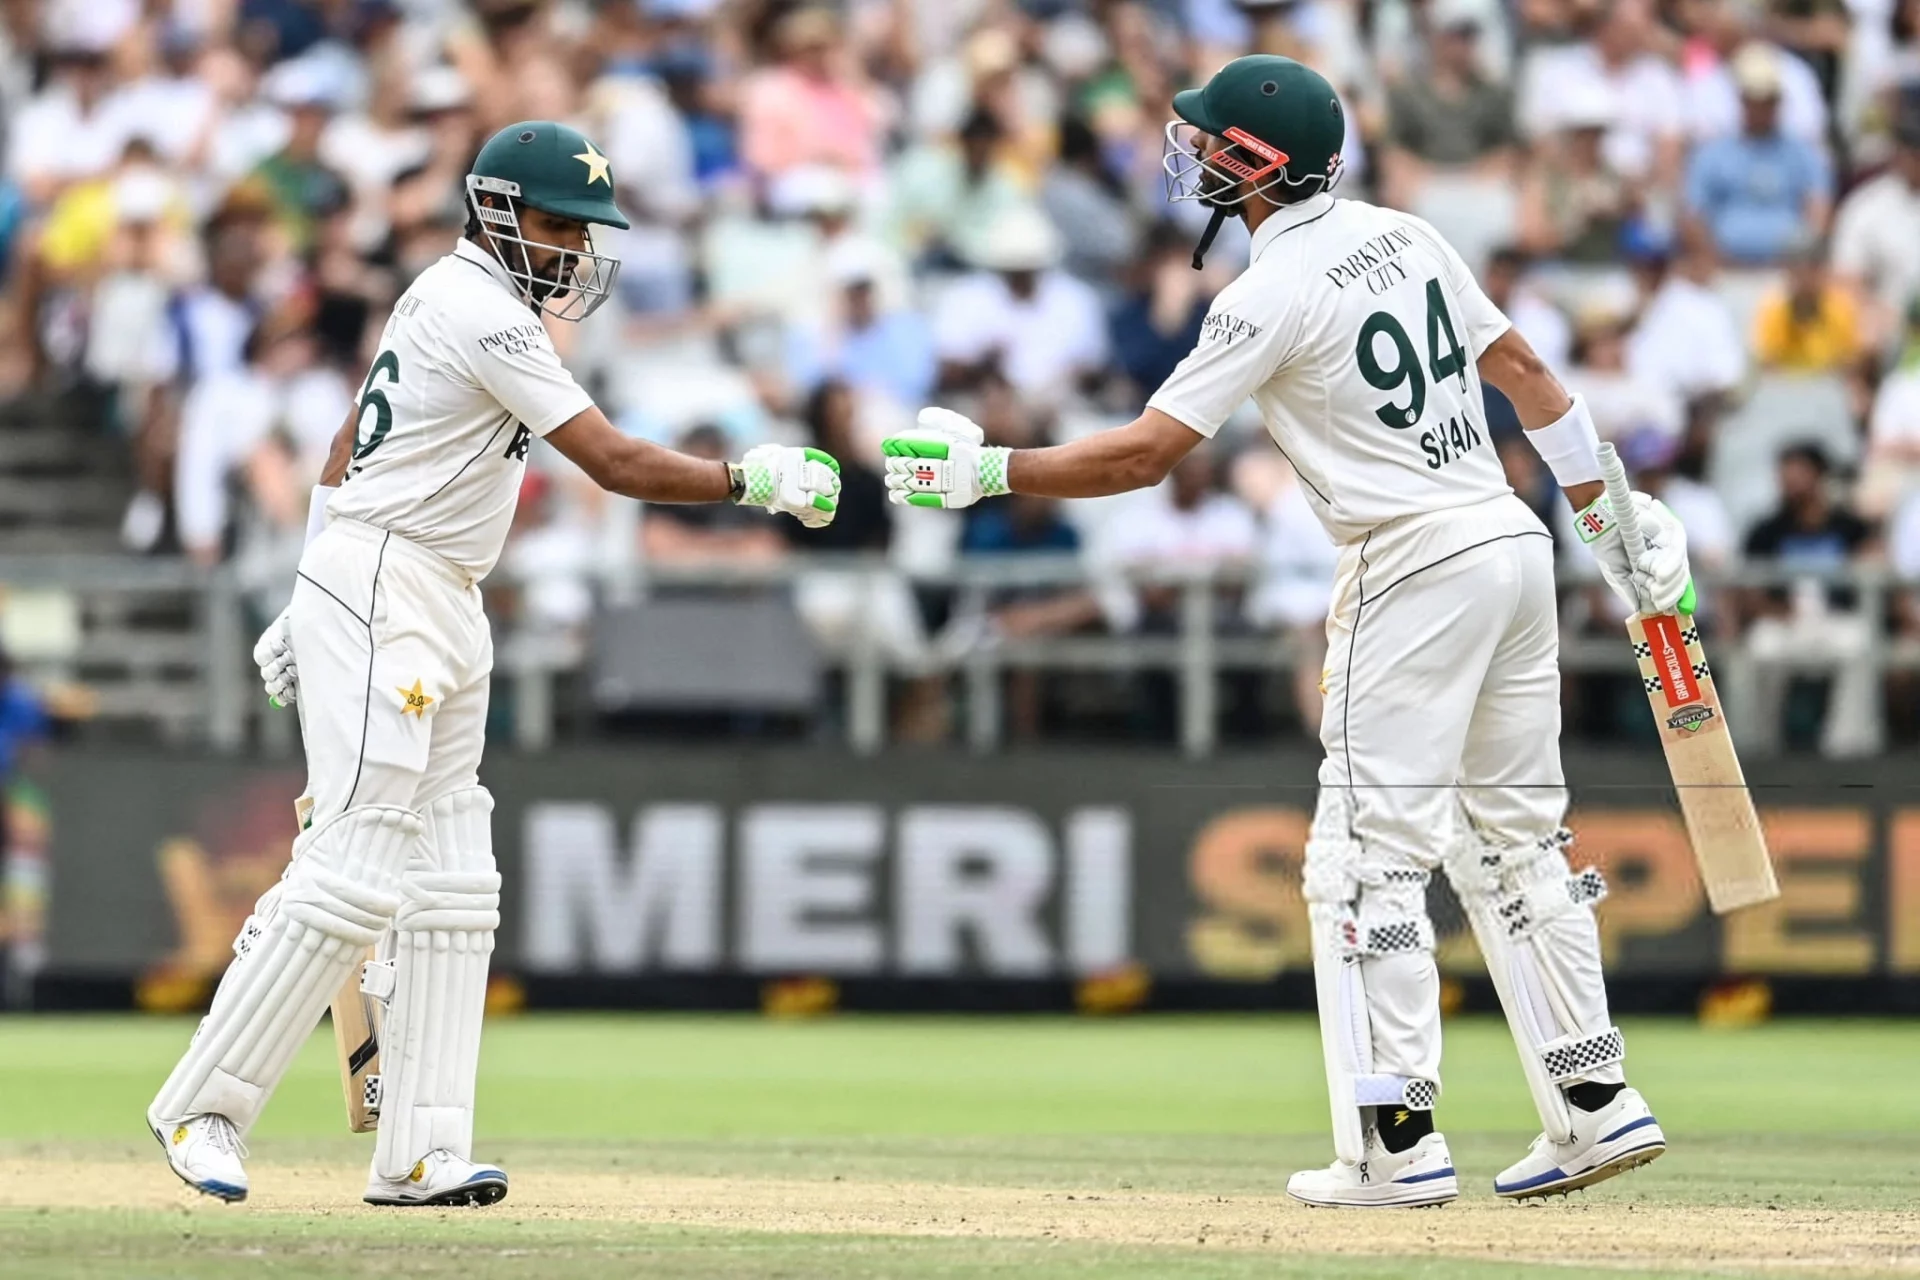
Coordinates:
<point>356,1029</point>
<point>356,1034</point>
<point>1727,839</point>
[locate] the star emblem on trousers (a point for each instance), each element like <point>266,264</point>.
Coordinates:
<point>416,700</point>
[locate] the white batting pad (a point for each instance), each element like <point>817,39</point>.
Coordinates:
<point>442,943</point>
<point>334,901</point>
<point>1533,918</point>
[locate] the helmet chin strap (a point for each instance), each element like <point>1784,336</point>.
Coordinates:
<point>1206,237</point>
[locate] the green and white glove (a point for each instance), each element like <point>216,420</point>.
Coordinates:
<point>1662,580</point>
<point>802,483</point>
<point>941,461</point>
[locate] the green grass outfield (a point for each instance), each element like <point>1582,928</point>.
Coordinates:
<point>678,1146</point>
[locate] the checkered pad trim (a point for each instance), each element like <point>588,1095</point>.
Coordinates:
<point>1395,1091</point>
<point>1652,684</point>
<point>1588,886</point>
<point>1388,939</point>
<point>1568,1058</point>
<point>1641,649</point>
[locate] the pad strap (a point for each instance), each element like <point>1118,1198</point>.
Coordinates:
<point>1395,1091</point>
<point>1574,1057</point>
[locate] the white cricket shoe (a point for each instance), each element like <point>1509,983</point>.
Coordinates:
<point>206,1152</point>
<point>1417,1178</point>
<point>440,1178</point>
<point>1620,1136</point>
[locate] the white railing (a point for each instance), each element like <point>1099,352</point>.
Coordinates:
<point>231,714</point>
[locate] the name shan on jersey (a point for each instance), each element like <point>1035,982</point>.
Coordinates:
<point>1376,261</point>
<point>1449,441</point>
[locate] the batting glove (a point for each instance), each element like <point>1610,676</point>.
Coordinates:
<point>941,461</point>
<point>802,483</point>
<point>1660,581</point>
<point>273,654</point>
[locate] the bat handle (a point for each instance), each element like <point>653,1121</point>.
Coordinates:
<point>1620,494</point>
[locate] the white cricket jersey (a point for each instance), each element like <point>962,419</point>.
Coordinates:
<point>1357,331</point>
<point>465,379</point>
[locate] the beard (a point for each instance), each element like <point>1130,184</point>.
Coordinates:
<point>551,277</point>
<point>1216,189</point>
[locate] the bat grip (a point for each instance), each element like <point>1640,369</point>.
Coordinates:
<point>1620,495</point>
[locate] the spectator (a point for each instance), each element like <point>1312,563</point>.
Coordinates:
<point>267,425</point>
<point>1297,564</point>
<point>1718,36</point>
<point>1622,402</point>
<point>1159,320</point>
<point>1542,324</point>
<point>811,108</point>
<point>1891,470</point>
<point>1017,315</point>
<point>1685,338</point>
<point>1450,121</point>
<point>1649,457</point>
<point>69,130</point>
<point>1620,63</point>
<point>1876,237</point>
<point>1022,525</point>
<point>1818,31</point>
<point>836,604</point>
<point>940,192</point>
<point>1188,522</point>
<point>1088,206</point>
<point>1814,625</point>
<point>1573,204</point>
<point>302,188</point>
<point>1760,191</point>
<point>873,350</point>
<point>1809,324</point>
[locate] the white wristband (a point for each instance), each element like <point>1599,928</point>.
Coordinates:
<point>317,510</point>
<point>1569,447</point>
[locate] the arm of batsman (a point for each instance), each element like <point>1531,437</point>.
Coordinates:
<point>943,461</point>
<point>802,483</point>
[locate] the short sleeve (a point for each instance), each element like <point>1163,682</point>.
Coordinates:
<point>1852,237</point>
<point>516,363</point>
<point>1236,354</point>
<point>1481,321</point>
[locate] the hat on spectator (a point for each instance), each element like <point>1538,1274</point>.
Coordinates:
<point>991,51</point>
<point>140,195</point>
<point>811,190</point>
<point>853,261</point>
<point>1020,238</point>
<point>1587,104</point>
<point>87,28</point>
<point>1756,71</point>
<point>1454,15</point>
<point>439,88</point>
<point>302,83</point>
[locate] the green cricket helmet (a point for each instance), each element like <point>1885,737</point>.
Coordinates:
<point>556,169</point>
<point>1279,123</point>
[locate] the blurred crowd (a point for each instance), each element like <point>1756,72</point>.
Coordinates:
<point>1705,214</point>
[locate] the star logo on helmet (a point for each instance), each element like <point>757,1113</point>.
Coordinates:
<point>598,170</point>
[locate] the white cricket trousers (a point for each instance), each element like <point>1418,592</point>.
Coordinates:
<point>1442,733</point>
<point>394,654</point>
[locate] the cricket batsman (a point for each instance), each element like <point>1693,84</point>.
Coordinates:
<point>1363,340</point>
<point>391,679</point>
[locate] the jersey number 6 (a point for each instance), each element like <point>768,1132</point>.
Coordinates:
<point>1443,364</point>
<point>371,398</point>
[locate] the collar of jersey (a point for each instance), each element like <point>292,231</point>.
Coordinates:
<point>487,262</point>
<point>1286,218</point>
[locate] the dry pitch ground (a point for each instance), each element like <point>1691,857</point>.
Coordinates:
<point>737,1149</point>
<point>1255,1232</point>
